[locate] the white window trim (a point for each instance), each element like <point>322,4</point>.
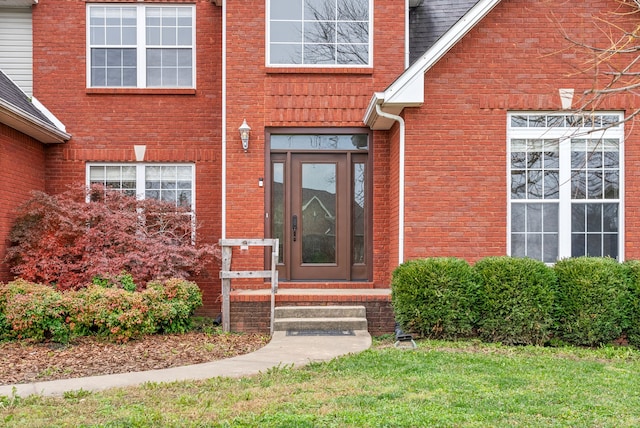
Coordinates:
<point>141,45</point>
<point>564,135</point>
<point>268,63</point>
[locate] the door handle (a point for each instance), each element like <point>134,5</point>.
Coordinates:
<point>294,226</point>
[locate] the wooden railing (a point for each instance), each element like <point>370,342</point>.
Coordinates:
<point>226,274</point>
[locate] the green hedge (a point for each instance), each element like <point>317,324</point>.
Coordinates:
<point>436,297</point>
<point>585,301</point>
<point>593,300</point>
<point>517,296</point>
<point>633,328</point>
<point>39,312</point>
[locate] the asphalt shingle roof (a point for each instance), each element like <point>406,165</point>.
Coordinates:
<point>429,21</point>
<point>12,94</point>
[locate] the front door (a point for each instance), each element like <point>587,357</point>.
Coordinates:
<point>319,213</point>
<point>319,218</point>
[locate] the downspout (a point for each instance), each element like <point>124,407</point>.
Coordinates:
<point>223,207</point>
<point>400,121</point>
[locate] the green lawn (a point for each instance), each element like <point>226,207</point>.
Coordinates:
<point>446,384</point>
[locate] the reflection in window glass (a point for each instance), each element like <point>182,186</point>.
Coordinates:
<point>278,207</point>
<point>319,142</point>
<point>576,176</point>
<point>171,183</point>
<point>318,223</point>
<point>358,214</point>
<point>165,46</point>
<point>319,32</point>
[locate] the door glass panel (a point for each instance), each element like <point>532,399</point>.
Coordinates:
<point>277,207</point>
<point>358,213</point>
<point>318,212</point>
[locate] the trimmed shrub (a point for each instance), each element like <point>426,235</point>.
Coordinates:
<point>633,326</point>
<point>517,300</point>
<point>35,311</point>
<point>593,299</point>
<point>178,299</point>
<point>435,297</point>
<point>114,313</point>
<point>39,312</point>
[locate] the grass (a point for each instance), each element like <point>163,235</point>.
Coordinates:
<point>462,384</point>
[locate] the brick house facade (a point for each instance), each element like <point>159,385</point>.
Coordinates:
<point>463,75</point>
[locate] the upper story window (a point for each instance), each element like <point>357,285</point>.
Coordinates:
<point>566,185</point>
<point>319,32</point>
<point>141,46</point>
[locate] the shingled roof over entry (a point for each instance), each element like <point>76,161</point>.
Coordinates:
<point>430,20</point>
<point>19,111</point>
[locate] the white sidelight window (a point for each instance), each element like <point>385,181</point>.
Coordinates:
<point>167,182</point>
<point>319,32</point>
<point>140,46</point>
<point>565,185</point>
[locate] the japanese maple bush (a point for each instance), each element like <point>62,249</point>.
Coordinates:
<point>66,241</point>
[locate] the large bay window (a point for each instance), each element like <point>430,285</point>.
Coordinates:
<point>167,182</point>
<point>565,182</point>
<point>319,32</point>
<point>140,46</point>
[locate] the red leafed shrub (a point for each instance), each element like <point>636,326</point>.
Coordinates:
<point>65,241</point>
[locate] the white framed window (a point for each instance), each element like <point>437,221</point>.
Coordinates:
<point>565,181</point>
<point>319,33</point>
<point>141,46</point>
<point>173,183</point>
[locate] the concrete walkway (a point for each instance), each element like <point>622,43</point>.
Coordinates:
<point>282,351</point>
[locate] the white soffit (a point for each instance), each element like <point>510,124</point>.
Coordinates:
<point>408,89</point>
<point>17,3</point>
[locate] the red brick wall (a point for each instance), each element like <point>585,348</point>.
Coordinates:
<point>176,126</point>
<point>456,166</point>
<point>21,171</point>
<point>255,316</point>
<point>301,97</point>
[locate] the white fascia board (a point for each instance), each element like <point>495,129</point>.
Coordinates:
<point>373,119</point>
<point>408,89</point>
<point>31,125</point>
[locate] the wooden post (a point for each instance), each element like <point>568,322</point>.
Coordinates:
<point>226,274</point>
<point>226,289</point>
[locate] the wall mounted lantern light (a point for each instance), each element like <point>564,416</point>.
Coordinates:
<point>244,135</point>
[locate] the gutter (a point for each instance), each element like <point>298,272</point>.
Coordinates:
<point>30,125</point>
<point>400,121</point>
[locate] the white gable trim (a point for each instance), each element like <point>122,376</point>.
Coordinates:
<point>408,89</point>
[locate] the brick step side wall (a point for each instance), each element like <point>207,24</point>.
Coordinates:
<point>253,316</point>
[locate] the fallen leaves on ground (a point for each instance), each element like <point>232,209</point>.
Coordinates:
<point>22,362</point>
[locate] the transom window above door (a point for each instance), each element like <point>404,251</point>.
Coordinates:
<point>565,185</point>
<point>140,46</point>
<point>319,32</point>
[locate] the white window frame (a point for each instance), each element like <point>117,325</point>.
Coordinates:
<point>141,176</point>
<point>368,64</point>
<point>564,135</point>
<point>141,45</point>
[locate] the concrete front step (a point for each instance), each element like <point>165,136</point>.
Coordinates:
<point>320,312</point>
<point>319,324</point>
<point>320,318</point>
